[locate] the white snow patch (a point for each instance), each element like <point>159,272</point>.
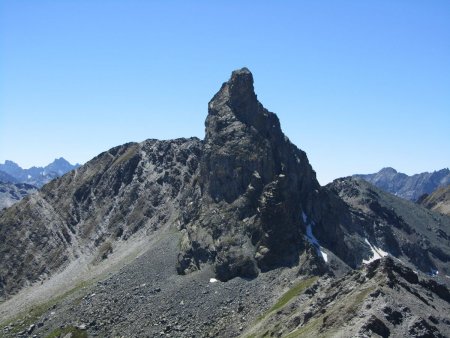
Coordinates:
<point>312,239</point>
<point>377,253</point>
<point>305,218</point>
<point>434,272</point>
<point>29,176</point>
<point>213,280</point>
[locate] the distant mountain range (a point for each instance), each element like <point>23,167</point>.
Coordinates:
<point>16,182</point>
<point>11,172</point>
<point>408,187</point>
<point>11,193</point>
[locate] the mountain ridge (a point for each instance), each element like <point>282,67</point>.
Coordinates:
<point>11,193</point>
<point>230,222</point>
<point>408,187</point>
<point>438,201</point>
<point>37,176</point>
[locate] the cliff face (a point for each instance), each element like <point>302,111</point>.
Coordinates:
<point>254,185</point>
<point>129,189</point>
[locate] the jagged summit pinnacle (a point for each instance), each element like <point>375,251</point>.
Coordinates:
<point>237,92</point>
<point>241,81</point>
<point>236,101</point>
<point>243,70</point>
<point>260,182</point>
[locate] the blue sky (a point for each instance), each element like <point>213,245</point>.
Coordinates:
<point>358,85</point>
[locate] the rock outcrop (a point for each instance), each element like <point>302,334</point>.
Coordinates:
<point>385,299</point>
<point>253,186</point>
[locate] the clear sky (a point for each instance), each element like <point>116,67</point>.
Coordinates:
<point>359,85</point>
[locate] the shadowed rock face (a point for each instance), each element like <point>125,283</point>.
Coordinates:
<point>254,184</point>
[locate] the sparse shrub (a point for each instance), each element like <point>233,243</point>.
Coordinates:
<point>76,333</point>
<point>104,251</point>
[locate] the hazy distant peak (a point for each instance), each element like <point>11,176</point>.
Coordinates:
<point>11,164</point>
<point>388,170</point>
<point>405,186</point>
<point>37,176</point>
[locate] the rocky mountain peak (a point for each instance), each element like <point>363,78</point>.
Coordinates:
<point>254,186</point>
<point>236,101</point>
<point>11,165</point>
<point>241,91</point>
<point>242,139</point>
<point>388,170</point>
<point>60,160</point>
<point>237,89</point>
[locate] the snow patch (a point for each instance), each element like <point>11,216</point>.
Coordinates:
<point>29,176</point>
<point>305,218</point>
<point>213,280</point>
<point>312,239</point>
<point>377,253</point>
<point>433,272</point>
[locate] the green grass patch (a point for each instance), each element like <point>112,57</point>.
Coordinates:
<point>32,315</point>
<point>338,314</point>
<point>309,330</point>
<point>295,291</point>
<point>76,333</point>
<point>358,299</point>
